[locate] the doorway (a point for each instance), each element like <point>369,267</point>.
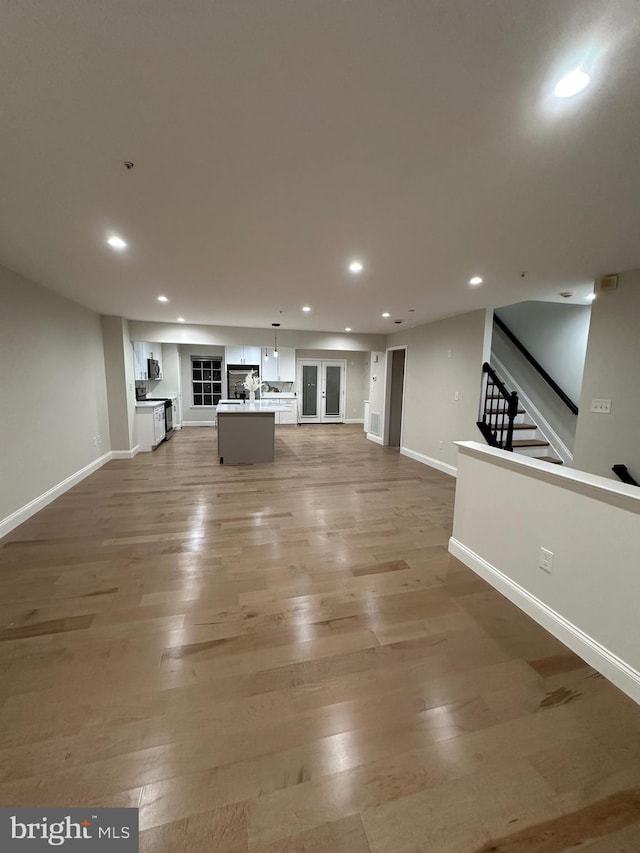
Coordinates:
<point>321,391</point>
<point>396,394</point>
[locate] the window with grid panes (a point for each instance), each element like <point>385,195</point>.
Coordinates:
<point>206,381</point>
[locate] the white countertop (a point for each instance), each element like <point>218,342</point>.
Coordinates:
<point>239,408</point>
<point>275,395</point>
<point>148,404</point>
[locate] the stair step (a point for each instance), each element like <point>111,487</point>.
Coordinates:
<point>530,442</point>
<point>550,459</point>
<point>497,424</point>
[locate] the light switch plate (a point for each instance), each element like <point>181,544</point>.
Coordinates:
<point>545,560</point>
<point>600,406</point>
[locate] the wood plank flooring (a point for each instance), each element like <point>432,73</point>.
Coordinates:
<point>283,657</point>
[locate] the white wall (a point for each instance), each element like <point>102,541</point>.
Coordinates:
<point>52,383</point>
<point>591,525</point>
<point>377,366</point>
<point>442,358</point>
<point>556,335</point>
<point>168,385</point>
<point>119,371</point>
<point>354,397</point>
<point>611,372</point>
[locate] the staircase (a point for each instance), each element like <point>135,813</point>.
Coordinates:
<point>505,423</point>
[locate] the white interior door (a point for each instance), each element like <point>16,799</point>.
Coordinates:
<point>321,390</point>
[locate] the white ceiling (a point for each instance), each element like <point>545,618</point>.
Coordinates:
<point>275,140</point>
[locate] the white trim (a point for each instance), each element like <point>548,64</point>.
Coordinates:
<point>198,423</point>
<point>125,454</point>
<point>432,463</point>
<point>542,423</point>
<point>375,438</point>
<point>610,665</point>
<point>24,513</point>
<point>354,421</point>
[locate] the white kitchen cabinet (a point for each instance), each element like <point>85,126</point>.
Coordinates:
<point>281,369</point>
<point>142,352</point>
<point>140,359</point>
<point>150,426</point>
<point>269,369</point>
<point>242,355</point>
<point>290,416</point>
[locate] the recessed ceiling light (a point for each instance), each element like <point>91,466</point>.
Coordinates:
<point>180,319</point>
<point>475,280</point>
<point>591,297</point>
<point>116,242</point>
<point>355,267</point>
<point>163,298</point>
<point>306,309</point>
<point>348,329</point>
<point>572,83</point>
<point>386,314</point>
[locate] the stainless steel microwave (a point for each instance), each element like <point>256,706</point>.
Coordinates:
<point>153,369</point>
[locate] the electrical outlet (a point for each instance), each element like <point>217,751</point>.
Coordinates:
<point>602,407</point>
<point>441,443</point>
<point>98,440</point>
<point>545,560</point>
<point>456,395</point>
<point>449,353</point>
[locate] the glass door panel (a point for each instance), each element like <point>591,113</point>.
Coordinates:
<point>333,387</point>
<point>309,390</point>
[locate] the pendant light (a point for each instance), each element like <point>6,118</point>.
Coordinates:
<point>275,344</point>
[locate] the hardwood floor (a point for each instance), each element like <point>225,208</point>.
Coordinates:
<point>284,657</point>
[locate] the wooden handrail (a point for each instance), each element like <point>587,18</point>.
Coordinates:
<point>536,364</point>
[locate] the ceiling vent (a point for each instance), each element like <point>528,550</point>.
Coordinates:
<point>609,282</point>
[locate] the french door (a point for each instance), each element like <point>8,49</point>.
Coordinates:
<point>321,391</point>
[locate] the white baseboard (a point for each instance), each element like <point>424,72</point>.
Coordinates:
<point>375,438</point>
<point>21,515</point>
<point>125,454</point>
<point>354,421</point>
<point>428,460</point>
<point>198,423</point>
<point>610,665</point>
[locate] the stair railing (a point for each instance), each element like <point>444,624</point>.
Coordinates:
<point>498,410</point>
<point>622,472</point>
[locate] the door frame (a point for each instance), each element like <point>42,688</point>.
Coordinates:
<point>388,374</point>
<point>321,363</point>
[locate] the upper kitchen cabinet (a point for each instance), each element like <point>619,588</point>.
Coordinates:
<point>242,355</point>
<point>142,352</point>
<point>280,369</point>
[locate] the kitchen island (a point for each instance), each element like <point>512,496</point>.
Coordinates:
<point>246,431</point>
